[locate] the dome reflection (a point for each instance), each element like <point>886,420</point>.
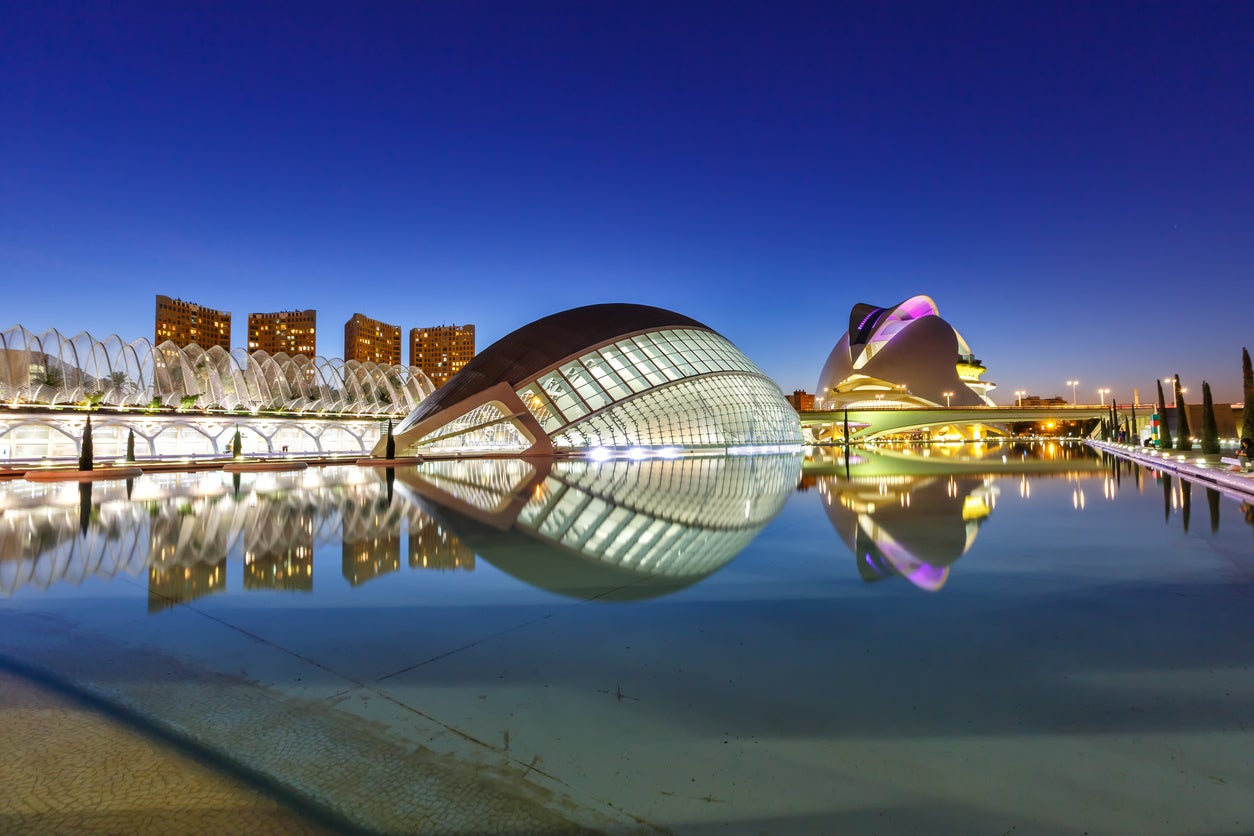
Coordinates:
<point>612,530</point>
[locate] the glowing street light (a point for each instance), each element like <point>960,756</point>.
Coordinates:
<point>1102,394</point>
<point>1073,384</point>
<point>1019,393</point>
<point>947,395</point>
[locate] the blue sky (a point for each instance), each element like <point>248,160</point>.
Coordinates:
<point>1073,183</point>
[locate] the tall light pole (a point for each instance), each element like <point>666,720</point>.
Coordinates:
<point>1073,384</point>
<point>947,395</point>
<point>1019,393</point>
<point>1102,393</point>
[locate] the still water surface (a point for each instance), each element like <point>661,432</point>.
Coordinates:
<point>972,640</point>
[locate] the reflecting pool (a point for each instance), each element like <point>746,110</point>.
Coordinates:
<point>943,639</point>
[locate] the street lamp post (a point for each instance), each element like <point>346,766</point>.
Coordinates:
<point>1073,384</point>
<point>1102,394</point>
<point>947,395</point>
<point>1019,393</point>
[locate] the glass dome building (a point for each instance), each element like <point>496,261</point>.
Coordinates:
<point>614,378</point>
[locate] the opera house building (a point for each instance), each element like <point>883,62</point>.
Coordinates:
<point>605,379</point>
<point>901,356</point>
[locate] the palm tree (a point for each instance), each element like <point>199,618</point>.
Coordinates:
<point>48,376</point>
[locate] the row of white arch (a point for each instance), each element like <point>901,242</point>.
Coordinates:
<point>50,368</point>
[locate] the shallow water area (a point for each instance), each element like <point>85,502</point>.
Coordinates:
<point>941,639</point>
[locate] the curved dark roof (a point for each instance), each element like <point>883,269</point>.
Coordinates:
<point>524,353</point>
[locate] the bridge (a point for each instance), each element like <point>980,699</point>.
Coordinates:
<point>864,424</point>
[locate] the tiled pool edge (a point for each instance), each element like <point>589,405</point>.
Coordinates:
<point>325,763</point>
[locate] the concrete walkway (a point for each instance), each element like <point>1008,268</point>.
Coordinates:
<point>1192,465</point>
<point>65,768</point>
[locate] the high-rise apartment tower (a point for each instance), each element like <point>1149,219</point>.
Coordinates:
<point>290,332</point>
<point>184,323</point>
<point>441,351</point>
<point>367,339</point>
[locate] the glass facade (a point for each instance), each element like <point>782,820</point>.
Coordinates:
<point>672,387</point>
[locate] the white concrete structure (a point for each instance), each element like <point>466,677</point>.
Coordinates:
<point>905,355</point>
<point>56,370</point>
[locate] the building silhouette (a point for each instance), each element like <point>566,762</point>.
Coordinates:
<point>369,340</point>
<point>441,351</point>
<point>287,332</point>
<point>184,323</point>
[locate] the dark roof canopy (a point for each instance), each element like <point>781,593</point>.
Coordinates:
<point>522,354</point>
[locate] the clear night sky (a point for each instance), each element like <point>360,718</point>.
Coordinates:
<point>1073,183</point>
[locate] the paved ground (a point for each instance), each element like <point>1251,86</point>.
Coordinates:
<point>65,768</point>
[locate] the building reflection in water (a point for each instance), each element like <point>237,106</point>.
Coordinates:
<point>280,556</point>
<point>432,547</point>
<point>914,527</point>
<point>618,529</point>
<point>611,530</point>
<point>371,540</point>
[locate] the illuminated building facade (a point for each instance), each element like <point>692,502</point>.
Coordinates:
<point>801,401</point>
<point>901,356</point>
<point>442,351</point>
<point>284,332</point>
<point>369,340</point>
<point>184,323</point>
<point>605,378</point>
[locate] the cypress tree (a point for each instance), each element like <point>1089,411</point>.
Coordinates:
<point>237,445</point>
<point>1210,430</point>
<point>84,506</point>
<point>86,454</point>
<point>390,448</point>
<point>1247,412</point>
<point>1186,501</point>
<point>130,445</point>
<point>1184,438</point>
<point>1164,433</point>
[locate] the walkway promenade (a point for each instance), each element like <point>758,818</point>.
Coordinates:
<point>1197,467</point>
